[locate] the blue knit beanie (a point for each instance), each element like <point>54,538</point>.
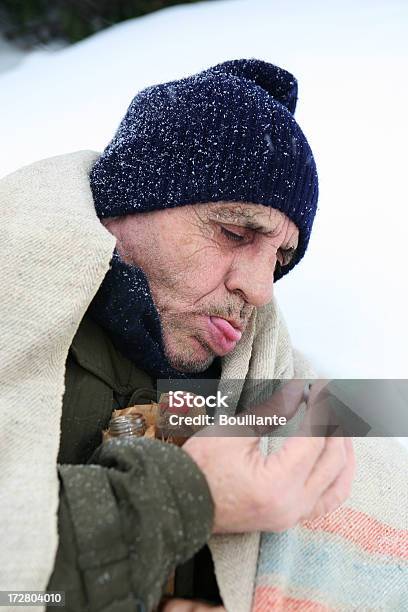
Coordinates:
<point>225,134</point>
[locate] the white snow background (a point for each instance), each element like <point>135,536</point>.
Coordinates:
<point>346,303</point>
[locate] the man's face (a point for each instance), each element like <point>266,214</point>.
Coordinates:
<point>208,267</point>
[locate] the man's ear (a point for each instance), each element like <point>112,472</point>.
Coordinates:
<point>107,221</point>
<point>113,225</point>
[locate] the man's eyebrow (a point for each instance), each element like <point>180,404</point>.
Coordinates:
<point>243,217</point>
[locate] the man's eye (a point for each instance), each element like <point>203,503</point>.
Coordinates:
<point>232,235</point>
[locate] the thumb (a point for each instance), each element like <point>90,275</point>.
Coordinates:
<point>284,402</point>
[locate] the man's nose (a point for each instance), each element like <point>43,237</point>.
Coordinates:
<point>252,277</point>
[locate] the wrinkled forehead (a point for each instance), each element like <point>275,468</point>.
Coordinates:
<point>254,216</point>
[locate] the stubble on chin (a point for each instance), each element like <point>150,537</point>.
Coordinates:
<point>183,351</point>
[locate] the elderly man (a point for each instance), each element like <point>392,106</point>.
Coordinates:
<point>208,193</point>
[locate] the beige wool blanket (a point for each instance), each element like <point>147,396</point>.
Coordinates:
<point>55,254</point>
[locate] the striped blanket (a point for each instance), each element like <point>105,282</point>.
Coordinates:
<point>355,558</point>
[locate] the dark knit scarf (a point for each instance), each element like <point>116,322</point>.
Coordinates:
<point>124,307</point>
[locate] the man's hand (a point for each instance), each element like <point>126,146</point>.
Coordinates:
<point>309,476</point>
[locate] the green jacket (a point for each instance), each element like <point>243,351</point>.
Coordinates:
<point>130,510</point>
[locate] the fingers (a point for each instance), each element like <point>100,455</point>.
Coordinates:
<point>317,387</point>
<point>326,488</point>
<point>331,463</point>
<point>284,402</point>
<point>340,489</point>
<point>299,454</point>
<point>321,404</point>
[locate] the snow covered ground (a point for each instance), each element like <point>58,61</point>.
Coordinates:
<point>346,305</point>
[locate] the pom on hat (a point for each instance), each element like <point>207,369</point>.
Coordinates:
<point>279,83</point>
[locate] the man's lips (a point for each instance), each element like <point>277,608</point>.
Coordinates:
<point>222,335</point>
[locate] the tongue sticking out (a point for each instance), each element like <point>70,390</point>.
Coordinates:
<point>226,328</point>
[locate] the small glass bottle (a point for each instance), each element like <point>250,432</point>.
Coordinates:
<point>127,425</point>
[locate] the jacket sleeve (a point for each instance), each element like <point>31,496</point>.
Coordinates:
<point>126,520</point>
